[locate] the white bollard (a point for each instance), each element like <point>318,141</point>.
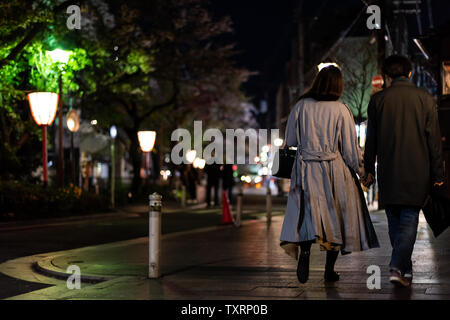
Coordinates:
<point>269,204</point>
<point>240,196</point>
<point>154,236</point>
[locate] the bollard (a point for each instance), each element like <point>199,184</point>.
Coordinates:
<point>269,204</point>
<point>154,236</point>
<point>239,207</point>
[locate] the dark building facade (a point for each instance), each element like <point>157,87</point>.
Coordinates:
<point>437,46</point>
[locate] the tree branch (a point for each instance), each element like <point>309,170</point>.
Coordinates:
<point>22,140</point>
<point>163,105</point>
<point>19,47</point>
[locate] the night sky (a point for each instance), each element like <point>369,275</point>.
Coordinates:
<point>263,30</point>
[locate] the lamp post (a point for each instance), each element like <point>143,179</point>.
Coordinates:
<point>113,134</point>
<point>61,57</point>
<point>73,123</point>
<point>147,142</point>
<point>43,108</point>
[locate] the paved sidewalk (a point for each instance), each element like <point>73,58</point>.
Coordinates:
<point>225,262</point>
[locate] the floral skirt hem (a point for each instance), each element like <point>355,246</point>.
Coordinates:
<point>293,248</point>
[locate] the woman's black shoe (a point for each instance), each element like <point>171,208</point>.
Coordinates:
<point>303,267</point>
<point>331,276</point>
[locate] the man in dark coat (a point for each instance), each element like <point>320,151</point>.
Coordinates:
<point>403,136</point>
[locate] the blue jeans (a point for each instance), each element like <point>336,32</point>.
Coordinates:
<point>403,222</point>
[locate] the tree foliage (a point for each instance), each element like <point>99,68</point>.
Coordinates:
<point>162,65</point>
<point>27,32</point>
<point>358,60</point>
<point>155,65</point>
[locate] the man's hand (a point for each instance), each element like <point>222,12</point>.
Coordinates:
<point>368,180</point>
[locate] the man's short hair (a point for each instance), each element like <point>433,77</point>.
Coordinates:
<point>397,66</point>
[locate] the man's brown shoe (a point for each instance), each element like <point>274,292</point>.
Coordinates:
<point>397,279</point>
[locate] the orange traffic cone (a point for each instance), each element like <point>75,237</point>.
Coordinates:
<point>227,218</point>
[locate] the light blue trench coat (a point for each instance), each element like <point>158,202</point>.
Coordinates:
<point>334,206</point>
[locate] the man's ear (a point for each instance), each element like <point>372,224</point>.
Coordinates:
<point>387,81</point>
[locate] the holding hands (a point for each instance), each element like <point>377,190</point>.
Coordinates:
<point>368,180</point>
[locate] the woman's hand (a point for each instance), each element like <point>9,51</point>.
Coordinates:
<point>368,180</point>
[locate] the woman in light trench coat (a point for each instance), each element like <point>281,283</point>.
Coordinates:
<point>326,203</point>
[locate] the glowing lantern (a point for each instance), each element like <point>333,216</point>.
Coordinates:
<point>147,140</point>
<point>73,121</point>
<point>43,108</point>
<point>190,156</point>
<point>59,56</point>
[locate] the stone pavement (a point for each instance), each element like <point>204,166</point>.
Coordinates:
<point>225,262</point>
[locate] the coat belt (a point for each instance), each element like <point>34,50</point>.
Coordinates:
<point>304,155</point>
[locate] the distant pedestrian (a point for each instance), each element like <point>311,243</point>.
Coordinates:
<point>403,137</point>
<point>212,181</point>
<point>191,178</point>
<point>326,203</point>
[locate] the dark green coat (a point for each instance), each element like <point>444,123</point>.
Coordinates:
<point>403,136</point>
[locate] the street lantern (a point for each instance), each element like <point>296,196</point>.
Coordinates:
<point>191,155</point>
<point>147,140</point>
<point>73,124</point>
<point>113,135</point>
<point>61,58</point>
<point>73,121</point>
<point>43,107</point>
